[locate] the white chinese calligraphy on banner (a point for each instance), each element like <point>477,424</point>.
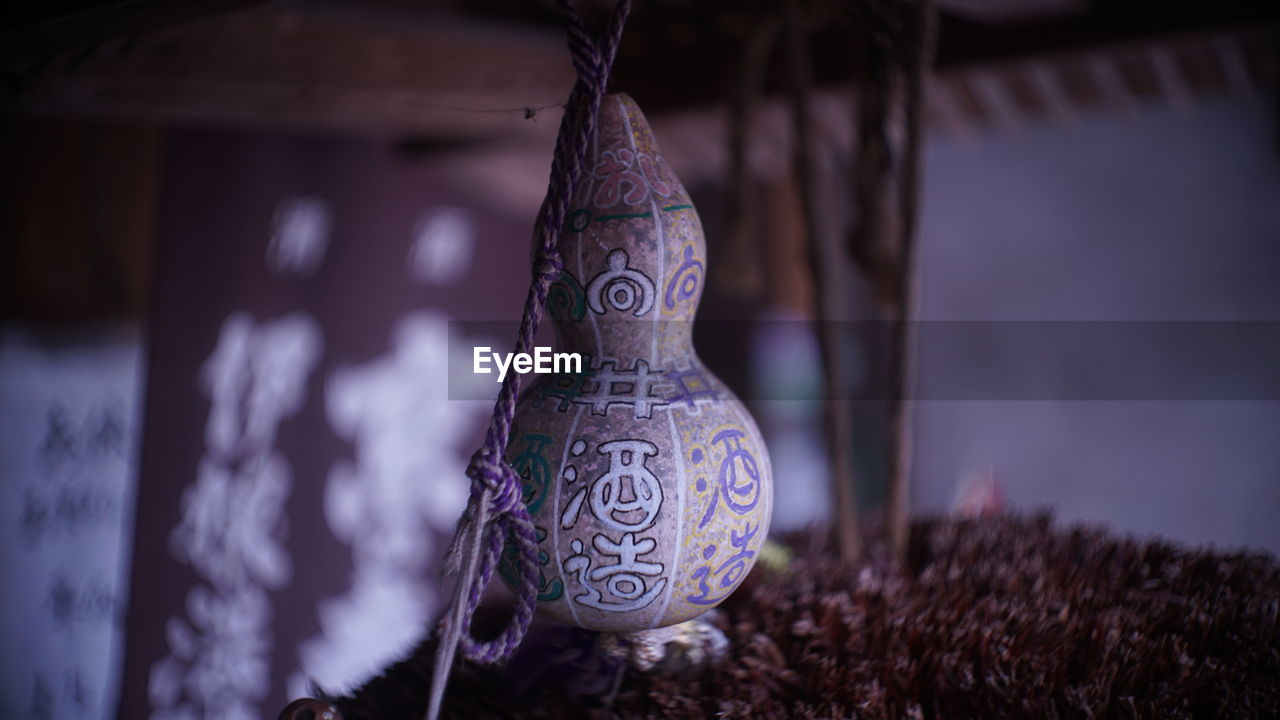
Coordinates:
<point>299,236</point>
<point>407,483</point>
<point>232,525</point>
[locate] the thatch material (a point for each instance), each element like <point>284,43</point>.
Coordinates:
<point>993,618</point>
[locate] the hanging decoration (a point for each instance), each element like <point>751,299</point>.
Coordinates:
<point>646,480</point>
<point>635,494</point>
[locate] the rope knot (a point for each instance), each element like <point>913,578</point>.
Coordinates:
<point>488,471</point>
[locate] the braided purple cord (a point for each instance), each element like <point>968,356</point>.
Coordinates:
<point>489,473</point>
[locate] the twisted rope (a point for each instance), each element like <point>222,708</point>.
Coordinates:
<point>495,510</point>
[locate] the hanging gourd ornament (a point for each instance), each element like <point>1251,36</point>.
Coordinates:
<point>647,481</point>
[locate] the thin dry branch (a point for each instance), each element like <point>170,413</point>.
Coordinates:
<point>838,423</point>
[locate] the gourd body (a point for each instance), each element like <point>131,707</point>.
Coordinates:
<point>647,480</point>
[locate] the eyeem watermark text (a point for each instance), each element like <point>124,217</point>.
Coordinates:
<point>541,361</point>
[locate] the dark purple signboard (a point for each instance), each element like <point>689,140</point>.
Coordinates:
<point>302,463</point>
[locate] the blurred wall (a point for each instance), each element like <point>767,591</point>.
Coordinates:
<point>1164,214</point>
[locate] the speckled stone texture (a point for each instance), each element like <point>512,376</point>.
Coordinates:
<point>1003,617</point>
<point>647,480</point>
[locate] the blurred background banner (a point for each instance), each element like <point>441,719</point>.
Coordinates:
<point>301,465</point>
<point>70,407</point>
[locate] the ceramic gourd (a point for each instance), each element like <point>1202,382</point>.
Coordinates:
<point>647,480</point>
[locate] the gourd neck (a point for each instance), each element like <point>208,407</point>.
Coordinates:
<point>633,250</point>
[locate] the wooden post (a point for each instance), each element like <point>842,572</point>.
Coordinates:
<point>889,116</point>
<point>839,432</point>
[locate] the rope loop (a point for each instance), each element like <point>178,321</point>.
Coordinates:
<point>517,527</point>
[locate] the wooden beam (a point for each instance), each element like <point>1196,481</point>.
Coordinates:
<point>1052,97</point>
<point>456,78</point>
<point>278,67</point>
<point>1110,83</point>
<point>997,105</point>
<point>1169,76</point>
<point>1012,11</point>
<point>1233,65</point>
<point>51,28</point>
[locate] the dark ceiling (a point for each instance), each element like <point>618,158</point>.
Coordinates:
<point>675,51</point>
